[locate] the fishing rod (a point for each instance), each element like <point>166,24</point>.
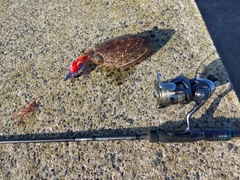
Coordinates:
<point>179,90</point>
<point>161,136</point>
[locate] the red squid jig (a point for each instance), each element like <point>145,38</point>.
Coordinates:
<point>120,52</point>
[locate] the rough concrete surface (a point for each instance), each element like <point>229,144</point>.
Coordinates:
<point>39,40</point>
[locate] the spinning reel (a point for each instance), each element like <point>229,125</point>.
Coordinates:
<point>183,90</point>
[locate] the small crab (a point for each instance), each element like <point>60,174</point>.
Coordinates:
<point>119,52</point>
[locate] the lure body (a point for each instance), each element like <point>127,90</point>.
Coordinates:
<point>120,52</point>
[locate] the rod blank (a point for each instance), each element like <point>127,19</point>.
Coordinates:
<point>72,139</point>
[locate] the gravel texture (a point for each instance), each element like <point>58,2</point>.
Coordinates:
<point>39,40</point>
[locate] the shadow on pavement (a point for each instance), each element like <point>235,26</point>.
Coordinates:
<point>222,19</point>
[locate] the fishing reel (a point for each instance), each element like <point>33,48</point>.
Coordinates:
<point>183,90</point>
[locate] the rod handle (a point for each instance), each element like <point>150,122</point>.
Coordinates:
<point>192,135</point>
